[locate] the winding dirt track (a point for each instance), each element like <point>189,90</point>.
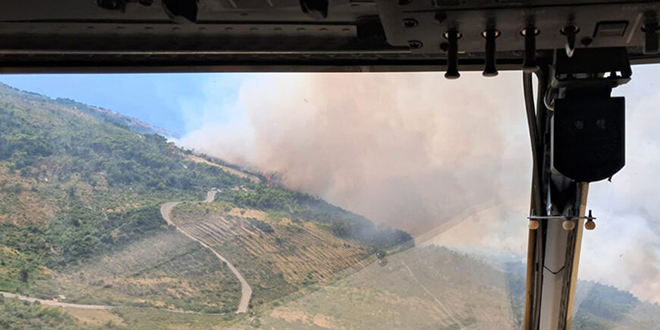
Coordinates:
<point>246,291</point>
<point>166,212</point>
<point>55,303</point>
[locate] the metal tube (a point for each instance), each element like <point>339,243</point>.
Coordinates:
<point>490,70</point>
<point>452,55</point>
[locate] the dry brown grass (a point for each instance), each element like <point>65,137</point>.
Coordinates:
<point>289,314</point>
<point>248,213</point>
<point>95,317</point>
<point>324,321</point>
<point>233,171</point>
<point>156,272</point>
<point>302,251</point>
<point>26,207</point>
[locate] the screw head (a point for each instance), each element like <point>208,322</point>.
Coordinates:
<point>496,33</point>
<point>415,44</point>
<point>534,224</point>
<point>569,29</point>
<point>410,23</point>
<point>458,34</point>
<point>568,225</point>
<point>524,31</point>
<point>108,4</point>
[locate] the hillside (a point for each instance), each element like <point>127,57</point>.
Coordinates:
<point>115,117</point>
<point>436,288</point>
<point>80,222</point>
<point>276,255</point>
<point>80,193</point>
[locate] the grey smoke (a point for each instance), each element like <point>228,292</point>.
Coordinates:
<point>405,150</point>
<point>420,153</point>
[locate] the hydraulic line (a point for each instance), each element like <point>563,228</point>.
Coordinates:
<point>535,141</point>
<point>538,125</point>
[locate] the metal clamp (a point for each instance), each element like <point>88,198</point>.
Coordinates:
<point>561,217</point>
<point>568,221</point>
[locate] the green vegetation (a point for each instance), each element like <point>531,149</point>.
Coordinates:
<point>22,315</point>
<point>80,192</point>
<point>149,319</point>
<point>82,163</point>
<point>297,205</point>
<point>607,303</point>
<point>437,288</point>
<point>165,271</point>
<point>278,256</point>
<point>112,118</point>
<point>100,232</point>
<point>261,225</point>
<point>41,139</point>
<point>78,186</point>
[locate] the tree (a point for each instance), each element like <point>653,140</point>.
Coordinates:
<point>340,228</point>
<point>26,267</point>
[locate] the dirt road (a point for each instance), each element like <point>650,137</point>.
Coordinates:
<point>246,291</point>
<point>166,212</point>
<point>54,303</point>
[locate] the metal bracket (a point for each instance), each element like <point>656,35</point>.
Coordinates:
<point>560,217</point>
<point>591,67</point>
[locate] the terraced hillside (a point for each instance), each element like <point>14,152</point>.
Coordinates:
<point>417,289</point>
<point>276,255</point>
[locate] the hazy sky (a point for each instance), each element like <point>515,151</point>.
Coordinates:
<point>162,100</point>
<point>447,158</point>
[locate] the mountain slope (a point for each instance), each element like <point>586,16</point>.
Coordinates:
<point>433,287</point>
<point>80,194</point>
<point>109,115</point>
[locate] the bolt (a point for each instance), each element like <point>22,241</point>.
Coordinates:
<point>570,31</point>
<point>568,225</point>
<point>415,44</point>
<point>410,23</point>
<point>533,224</point>
<point>108,4</point>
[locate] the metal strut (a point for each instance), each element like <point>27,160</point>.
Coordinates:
<point>577,137</point>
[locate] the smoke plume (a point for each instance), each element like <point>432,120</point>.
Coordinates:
<point>406,150</point>
<point>427,155</point>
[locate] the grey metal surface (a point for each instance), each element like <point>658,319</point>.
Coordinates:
<point>276,35</point>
